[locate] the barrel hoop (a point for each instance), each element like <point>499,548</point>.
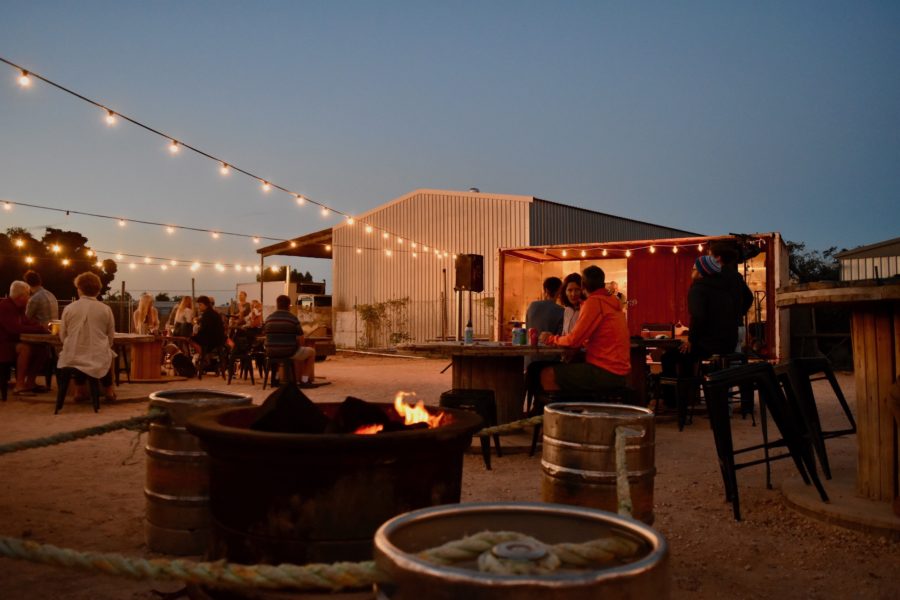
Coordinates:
<point>599,447</point>
<point>176,499</point>
<point>175,454</point>
<point>552,469</point>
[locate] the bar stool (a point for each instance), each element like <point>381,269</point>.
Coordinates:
<point>271,366</point>
<point>796,377</point>
<point>481,402</point>
<point>5,372</point>
<point>687,386</point>
<point>63,376</point>
<point>771,398</point>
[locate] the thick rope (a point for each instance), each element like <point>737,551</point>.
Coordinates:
<point>338,576</point>
<point>623,488</point>
<point>135,423</point>
<point>510,427</point>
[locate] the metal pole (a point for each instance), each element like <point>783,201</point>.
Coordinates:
<point>443,307</point>
<point>459,315</point>
<point>356,322</point>
<point>122,309</point>
<point>262,272</point>
<point>193,298</point>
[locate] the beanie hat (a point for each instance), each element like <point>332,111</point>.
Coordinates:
<point>707,265</point>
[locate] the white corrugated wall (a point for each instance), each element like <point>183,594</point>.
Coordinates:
<point>456,222</point>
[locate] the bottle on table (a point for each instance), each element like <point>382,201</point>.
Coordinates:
<point>469,334</point>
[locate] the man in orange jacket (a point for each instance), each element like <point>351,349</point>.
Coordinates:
<point>603,332</point>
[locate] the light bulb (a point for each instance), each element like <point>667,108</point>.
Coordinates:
<point>604,252</point>
<point>583,254</point>
<point>55,248</point>
<point>274,268</point>
<point>359,250</point>
<point>110,117</point>
<point>24,79</point>
<point>674,249</point>
<point>215,235</point>
<point>238,267</point>
<point>388,253</point>
<point>122,222</point>
<point>266,186</point>
<point>65,262</point>
<point>20,243</point>
<point>301,200</point>
<point>219,267</point>
<point>350,220</point>
<point>90,252</point>
<point>293,244</point>
<point>29,259</point>
<point>424,248</point>
<point>132,266</point>
<point>164,267</point>
<point>256,240</point>
<point>565,253</point>
<point>368,228</point>
<point>7,206</point>
<point>173,147</point>
<point>700,247</point>
<point>256,268</point>
<point>385,235</point>
<point>324,211</point>
<point>652,249</point>
<point>99,263</point>
<point>146,260</point>
<point>173,262</point>
<point>627,253</point>
<point>327,247</point>
<point>195,266</point>
<point>400,240</point>
<point>224,169</point>
<point>414,255</point>
<point>413,244</point>
<point>119,257</point>
<point>170,230</point>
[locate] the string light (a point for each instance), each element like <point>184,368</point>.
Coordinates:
<point>652,249</point>
<point>19,243</point>
<point>65,262</point>
<point>385,235</point>
<point>132,266</point>
<point>7,206</point>
<point>293,244</point>
<point>173,262</point>
<point>368,227</point>
<point>327,247</point>
<point>215,235</point>
<point>387,252</point>
<point>164,267</point>
<point>583,254</point>
<point>604,252</point>
<point>173,144</point>
<point>274,268</point>
<point>628,254</point>
<point>359,250</point>
<point>146,260</point>
<point>414,255</point>
<point>266,186</point>
<point>674,249</point>
<point>170,230</point>
<point>565,253</point>
<point>256,240</point>
<point>119,257</point>
<point>121,222</point>
<point>413,245</point>
<point>238,267</point>
<point>29,259</point>
<point>400,240</point>
<point>56,248</point>
<point>99,263</point>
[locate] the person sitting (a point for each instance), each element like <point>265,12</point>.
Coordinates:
<point>238,317</point>
<point>42,306</point>
<point>570,298</point>
<point>14,322</point>
<point>183,318</point>
<point>255,318</point>
<point>88,331</point>
<point>545,314</point>
<point>210,334</point>
<point>146,317</point>
<point>284,339</point>
<point>602,329</point>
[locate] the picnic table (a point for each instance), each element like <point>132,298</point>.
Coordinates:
<point>146,351</point>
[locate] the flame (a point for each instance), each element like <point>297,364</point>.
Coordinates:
<point>417,413</point>
<point>369,429</point>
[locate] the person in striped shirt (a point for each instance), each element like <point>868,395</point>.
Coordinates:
<point>284,339</point>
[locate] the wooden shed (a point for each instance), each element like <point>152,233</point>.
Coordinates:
<point>654,275</point>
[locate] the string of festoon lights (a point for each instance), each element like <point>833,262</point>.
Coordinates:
<point>604,250</point>
<point>225,167</point>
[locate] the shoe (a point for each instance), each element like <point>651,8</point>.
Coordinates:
<point>28,392</point>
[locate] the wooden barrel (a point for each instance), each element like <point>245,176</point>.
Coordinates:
<point>579,458</point>
<point>177,485</point>
<point>644,574</point>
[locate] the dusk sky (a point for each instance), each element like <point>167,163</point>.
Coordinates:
<point>714,117</point>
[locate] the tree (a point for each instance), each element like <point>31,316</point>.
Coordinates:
<point>807,266</point>
<point>162,297</point>
<point>59,256</point>
<point>279,274</point>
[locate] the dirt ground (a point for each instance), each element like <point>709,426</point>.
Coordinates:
<point>88,495</point>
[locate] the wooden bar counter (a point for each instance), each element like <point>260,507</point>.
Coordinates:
<point>875,332</point>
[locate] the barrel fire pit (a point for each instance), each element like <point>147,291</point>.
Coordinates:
<point>320,497</point>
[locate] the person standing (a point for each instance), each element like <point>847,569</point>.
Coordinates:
<point>602,330</point>
<point>14,322</point>
<point>146,317</point>
<point>545,314</point>
<point>88,332</point>
<point>42,306</point>
<point>210,329</point>
<point>284,339</point>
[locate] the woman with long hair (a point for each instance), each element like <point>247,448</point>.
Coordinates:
<point>146,317</point>
<point>570,297</point>
<point>183,320</point>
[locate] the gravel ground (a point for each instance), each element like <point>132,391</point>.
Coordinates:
<point>88,495</point>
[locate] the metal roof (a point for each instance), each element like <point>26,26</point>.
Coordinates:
<point>311,245</point>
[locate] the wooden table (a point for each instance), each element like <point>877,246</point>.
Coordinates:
<point>496,366</point>
<point>875,332</point>
<point>146,351</point>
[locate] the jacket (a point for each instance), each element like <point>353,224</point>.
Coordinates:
<point>714,314</point>
<point>603,331</point>
<point>13,322</point>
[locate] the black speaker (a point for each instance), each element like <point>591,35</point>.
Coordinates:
<point>469,272</point>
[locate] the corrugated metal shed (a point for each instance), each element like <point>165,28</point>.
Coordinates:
<point>880,260</point>
<point>414,288</point>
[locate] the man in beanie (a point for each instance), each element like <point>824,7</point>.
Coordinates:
<point>714,314</point>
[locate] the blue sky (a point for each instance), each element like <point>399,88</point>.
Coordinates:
<point>709,116</point>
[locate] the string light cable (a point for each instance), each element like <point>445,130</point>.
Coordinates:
<point>175,144</point>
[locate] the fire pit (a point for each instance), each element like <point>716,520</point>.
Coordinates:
<point>300,498</point>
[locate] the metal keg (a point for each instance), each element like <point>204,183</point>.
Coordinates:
<point>177,484</point>
<point>579,461</point>
<point>399,541</point>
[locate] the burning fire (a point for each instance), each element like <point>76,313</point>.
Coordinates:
<point>417,413</point>
<point>411,415</point>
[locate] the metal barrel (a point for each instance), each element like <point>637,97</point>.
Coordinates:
<point>177,484</point>
<point>644,574</point>
<point>579,458</point>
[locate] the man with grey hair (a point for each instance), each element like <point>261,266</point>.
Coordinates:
<point>13,323</point>
<point>42,306</point>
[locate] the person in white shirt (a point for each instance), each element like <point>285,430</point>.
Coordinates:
<point>87,332</point>
<point>570,298</point>
<point>183,321</point>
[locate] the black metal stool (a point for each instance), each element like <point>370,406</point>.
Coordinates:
<point>483,403</point>
<point>63,376</point>
<point>761,375</point>
<point>687,386</point>
<point>5,371</point>
<point>271,366</point>
<point>796,377</point>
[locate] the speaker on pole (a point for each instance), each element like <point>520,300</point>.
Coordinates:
<point>469,272</point>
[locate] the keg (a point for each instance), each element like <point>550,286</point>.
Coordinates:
<point>177,483</point>
<point>579,458</point>
<point>399,542</point>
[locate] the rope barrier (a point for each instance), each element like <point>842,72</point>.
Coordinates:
<point>135,423</point>
<point>623,488</point>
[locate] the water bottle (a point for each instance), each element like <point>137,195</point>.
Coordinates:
<point>469,334</point>
<point>518,335</point>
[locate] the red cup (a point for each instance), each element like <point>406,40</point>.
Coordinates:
<point>533,336</point>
